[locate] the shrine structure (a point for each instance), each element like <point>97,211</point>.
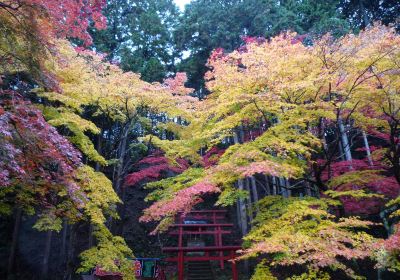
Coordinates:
<point>190,229</point>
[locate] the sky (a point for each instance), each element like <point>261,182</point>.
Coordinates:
<point>181,3</point>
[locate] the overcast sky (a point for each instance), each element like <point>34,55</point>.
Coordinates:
<point>181,3</point>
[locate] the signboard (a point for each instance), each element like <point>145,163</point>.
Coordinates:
<point>146,268</point>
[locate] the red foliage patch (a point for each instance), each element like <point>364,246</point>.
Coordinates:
<point>32,153</point>
<point>153,167</point>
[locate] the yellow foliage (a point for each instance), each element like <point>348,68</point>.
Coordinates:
<point>99,192</point>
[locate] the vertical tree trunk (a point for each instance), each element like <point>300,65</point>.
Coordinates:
<point>122,151</point>
<point>322,134</point>
<point>71,252</point>
<point>249,202</point>
<point>46,256</point>
<point>282,183</point>
<point>267,185</point>
<point>118,179</point>
<point>308,188</point>
<point>367,148</point>
<point>242,205</point>
<point>63,252</point>
<point>364,14</point>
<point>238,215</point>
<point>274,186</point>
<point>254,191</point>
<point>288,190</point>
<point>14,242</point>
<point>345,141</point>
<point>242,208</point>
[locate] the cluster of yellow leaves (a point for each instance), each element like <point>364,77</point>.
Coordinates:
<point>100,196</point>
<point>90,84</point>
<point>287,87</point>
<point>302,231</point>
<point>110,253</point>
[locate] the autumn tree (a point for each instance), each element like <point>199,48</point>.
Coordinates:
<point>42,172</point>
<point>290,112</point>
<point>30,26</point>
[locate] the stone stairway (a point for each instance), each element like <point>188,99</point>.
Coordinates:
<point>199,271</point>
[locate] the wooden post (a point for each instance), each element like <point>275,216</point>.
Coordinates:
<point>180,265</point>
<point>221,254</point>
<point>180,254</point>
<point>234,268</point>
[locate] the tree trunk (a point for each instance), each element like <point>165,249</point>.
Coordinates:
<point>71,252</point>
<point>122,151</point>
<point>268,188</point>
<point>289,191</point>
<point>367,148</point>
<point>274,186</point>
<point>238,215</point>
<point>364,14</point>
<point>254,192</point>
<point>14,242</point>
<point>242,208</point>
<point>282,183</point>
<point>249,203</point>
<point>46,256</point>
<point>345,141</point>
<point>118,179</point>
<point>308,188</point>
<point>242,205</point>
<point>63,252</point>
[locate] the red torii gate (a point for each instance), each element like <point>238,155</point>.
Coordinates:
<point>213,225</point>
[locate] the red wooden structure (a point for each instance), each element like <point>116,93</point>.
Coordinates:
<point>207,222</point>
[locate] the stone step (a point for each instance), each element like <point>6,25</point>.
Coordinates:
<point>199,271</point>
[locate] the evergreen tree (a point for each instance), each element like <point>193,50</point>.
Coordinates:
<point>139,36</point>
<point>361,13</point>
<point>206,25</point>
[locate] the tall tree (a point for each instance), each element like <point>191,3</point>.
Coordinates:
<point>361,13</point>
<point>139,36</point>
<point>28,28</point>
<point>206,25</point>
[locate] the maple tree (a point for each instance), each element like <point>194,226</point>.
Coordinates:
<point>42,173</point>
<point>98,100</point>
<point>299,105</point>
<point>30,27</point>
